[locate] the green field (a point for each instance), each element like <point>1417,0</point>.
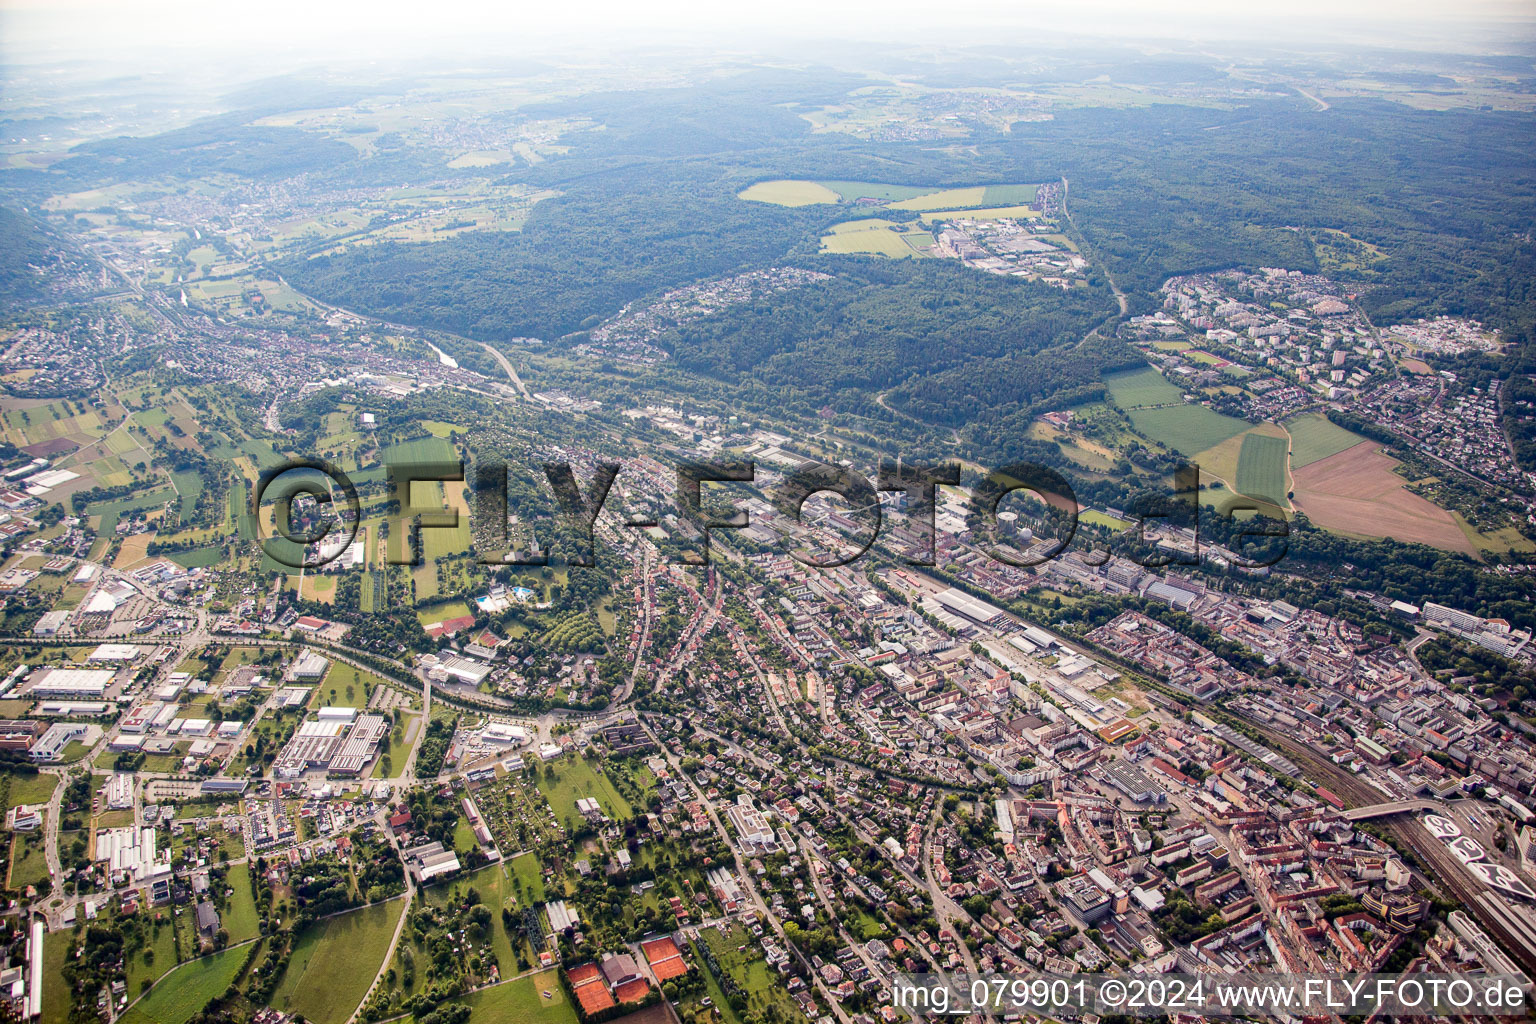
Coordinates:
<point>1104,519</point>
<point>240,918</point>
<point>190,485</point>
<point>111,510</point>
<point>789,193</point>
<point>875,237</point>
<point>1009,195</point>
<point>55,988</point>
<point>335,962</point>
<point>178,996</point>
<point>1314,437</point>
<point>494,883</point>
<point>1133,389</point>
<point>850,191</point>
<point>198,558</point>
<point>1261,468</point>
<point>944,199</point>
<point>528,871</point>
<point>28,789</point>
<point>1186,428</point>
<point>521,1000</point>
<point>576,778</point>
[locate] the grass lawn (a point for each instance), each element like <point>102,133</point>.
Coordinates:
<point>335,962</point>
<point>162,943</point>
<point>240,918</point>
<point>29,789</point>
<point>521,1001</point>
<point>1104,519</point>
<point>55,989</point>
<point>352,686</point>
<point>1134,389</point>
<point>494,884</point>
<point>757,980</point>
<point>576,778</point>
<point>528,869</point>
<point>29,861</point>
<point>178,996</point>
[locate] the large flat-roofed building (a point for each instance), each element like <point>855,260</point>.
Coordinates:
<point>312,746</point>
<point>52,744</point>
<point>357,749</point>
<point>462,670</point>
<point>429,860</point>
<point>84,683</point>
<point>968,607</point>
<point>310,668</point>
<point>115,653</point>
<point>1133,782</point>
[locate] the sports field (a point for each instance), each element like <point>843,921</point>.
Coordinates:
<point>1315,437</point>
<point>334,963</point>
<point>1261,468</point>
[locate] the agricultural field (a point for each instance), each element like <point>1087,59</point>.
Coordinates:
<point>1315,437</point>
<point>1261,469</point>
<point>334,963</point>
<point>1141,389</point>
<point>919,198</point>
<point>1186,428</point>
<point>1356,493</point>
<point>875,237</point>
<point>984,213</point>
<point>790,193</point>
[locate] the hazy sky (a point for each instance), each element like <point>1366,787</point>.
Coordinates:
<point>46,29</point>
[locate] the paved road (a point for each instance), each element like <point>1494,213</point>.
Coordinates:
<point>506,365</point>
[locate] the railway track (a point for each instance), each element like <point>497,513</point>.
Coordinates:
<point>1515,933</point>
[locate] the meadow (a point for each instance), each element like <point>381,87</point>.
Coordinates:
<point>335,962</point>
<point>522,1000</point>
<point>1186,428</point>
<point>181,994</point>
<point>575,778</point>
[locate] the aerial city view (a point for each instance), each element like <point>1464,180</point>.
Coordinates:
<point>631,527</point>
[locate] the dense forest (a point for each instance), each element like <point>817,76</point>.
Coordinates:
<point>22,248</point>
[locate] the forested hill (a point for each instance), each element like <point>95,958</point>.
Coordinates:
<point>25,254</point>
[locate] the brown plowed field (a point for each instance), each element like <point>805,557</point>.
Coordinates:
<point>1356,492</point>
